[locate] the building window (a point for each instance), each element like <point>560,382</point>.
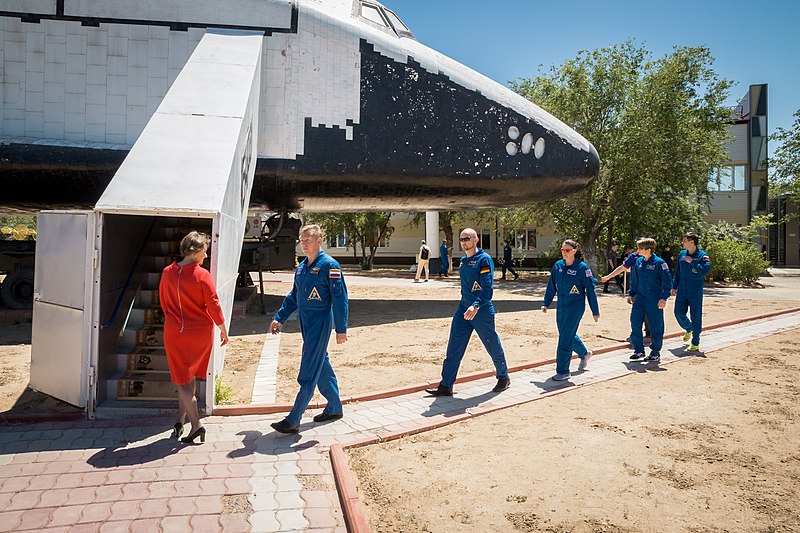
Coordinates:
<point>727,178</point>
<point>486,239</point>
<point>525,239</point>
<point>338,241</point>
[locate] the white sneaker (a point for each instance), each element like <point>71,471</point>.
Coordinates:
<point>585,360</point>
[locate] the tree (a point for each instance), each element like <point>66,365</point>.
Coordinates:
<point>785,164</point>
<point>658,125</point>
<point>366,229</point>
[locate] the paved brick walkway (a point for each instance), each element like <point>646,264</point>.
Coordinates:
<point>127,475</point>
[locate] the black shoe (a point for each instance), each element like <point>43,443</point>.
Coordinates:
<point>324,417</point>
<point>636,356</point>
<point>440,391</point>
<point>199,432</point>
<point>177,431</point>
<point>516,277</point>
<point>502,384</point>
<point>285,427</point>
<point>654,356</point>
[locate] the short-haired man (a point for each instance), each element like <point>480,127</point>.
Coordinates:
<point>319,295</point>
<point>651,283</point>
<point>423,258</point>
<point>475,312</point>
<point>687,287</point>
<point>631,256</point>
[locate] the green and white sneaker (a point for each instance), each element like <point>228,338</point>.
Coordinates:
<point>687,336</point>
<point>693,348</point>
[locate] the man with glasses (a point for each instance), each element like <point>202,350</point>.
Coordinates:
<point>320,296</point>
<point>475,312</point>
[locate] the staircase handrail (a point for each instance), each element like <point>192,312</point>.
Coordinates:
<point>124,289</point>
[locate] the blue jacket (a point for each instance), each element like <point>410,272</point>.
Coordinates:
<point>573,284</point>
<point>318,287</point>
<point>651,279</point>
<point>691,275</point>
<point>630,260</point>
<point>443,252</point>
<point>477,279</point>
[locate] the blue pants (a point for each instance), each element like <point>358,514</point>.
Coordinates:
<point>690,300</point>
<point>315,368</point>
<point>568,319</point>
<point>647,308</point>
<point>461,331</point>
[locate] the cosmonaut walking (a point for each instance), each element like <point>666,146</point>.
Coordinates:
<point>319,295</point>
<point>475,312</point>
<point>687,286</point>
<point>572,280</point>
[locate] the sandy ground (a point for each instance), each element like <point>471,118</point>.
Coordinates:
<point>398,333</point>
<point>708,444</point>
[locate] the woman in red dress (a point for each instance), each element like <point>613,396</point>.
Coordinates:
<point>191,308</point>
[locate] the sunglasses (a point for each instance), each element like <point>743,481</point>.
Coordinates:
<point>568,249</point>
<point>465,239</point>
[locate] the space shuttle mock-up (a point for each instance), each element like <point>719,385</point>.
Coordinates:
<point>354,113</point>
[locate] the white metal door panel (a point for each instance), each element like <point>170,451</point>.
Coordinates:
<point>57,352</point>
<point>63,254</point>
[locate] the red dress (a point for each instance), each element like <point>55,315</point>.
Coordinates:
<point>191,308</point>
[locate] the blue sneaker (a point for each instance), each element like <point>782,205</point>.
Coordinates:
<point>561,377</point>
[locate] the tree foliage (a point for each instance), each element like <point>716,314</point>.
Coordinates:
<point>785,163</point>
<point>364,230</point>
<point>658,125</point>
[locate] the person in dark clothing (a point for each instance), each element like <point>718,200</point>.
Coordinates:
<point>668,257</point>
<point>507,261</point>
<point>612,261</point>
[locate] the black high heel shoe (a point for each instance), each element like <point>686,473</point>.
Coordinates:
<point>199,432</point>
<point>177,431</point>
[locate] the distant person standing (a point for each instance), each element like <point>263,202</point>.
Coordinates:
<point>475,312</point>
<point>444,256</point>
<point>687,287</point>
<point>507,258</point>
<point>572,280</point>
<point>668,257</point>
<point>423,258</point>
<point>651,283</point>
<point>319,295</point>
<point>612,262</point>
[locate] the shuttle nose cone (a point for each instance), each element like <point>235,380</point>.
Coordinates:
<point>592,162</point>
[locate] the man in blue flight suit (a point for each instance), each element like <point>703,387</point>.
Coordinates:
<point>687,287</point>
<point>475,312</point>
<point>320,296</point>
<point>651,283</point>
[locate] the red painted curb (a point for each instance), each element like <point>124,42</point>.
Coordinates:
<point>351,503</point>
<point>264,409</point>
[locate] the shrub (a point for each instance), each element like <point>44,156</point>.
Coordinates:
<point>222,393</point>
<point>736,261</point>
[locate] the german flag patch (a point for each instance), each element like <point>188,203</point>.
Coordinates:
<point>485,269</point>
<point>335,273</point>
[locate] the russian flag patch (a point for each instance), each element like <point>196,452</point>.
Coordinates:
<point>335,273</point>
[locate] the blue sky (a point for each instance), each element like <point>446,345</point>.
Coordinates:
<point>506,40</point>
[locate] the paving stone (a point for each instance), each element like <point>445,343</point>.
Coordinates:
<point>237,523</point>
<point>147,525</point>
<point>175,524</point>
<point>320,517</point>
<point>9,520</point>
<point>109,493</point>
<point>181,506</point>
<point>291,519</point>
<point>264,522</point>
<point>153,508</point>
<point>289,500</point>
<point>125,510</point>
<point>207,523</point>
<point>287,483</point>
<point>66,515</point>
<point>135,491</point>
<point>162,489</point>
<point>212,486</point>
<point>95,512</point>
<point>115,526</point>
<point>34,519</point>
<point>24,500</point>
<point>81,495</point>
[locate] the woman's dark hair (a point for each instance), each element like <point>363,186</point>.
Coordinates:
<point>578,252</point>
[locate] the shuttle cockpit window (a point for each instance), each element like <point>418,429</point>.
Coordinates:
<point>399,27</point>
<point>385,19</point>
<point>373,14</point>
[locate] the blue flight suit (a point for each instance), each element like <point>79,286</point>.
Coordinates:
<point>688,283</point>
<point>320,295</point>
<point>574,284</point>
<point>651,281</point>
<point>445,261</point>
<point>629,263</point>
<point>477,287</point>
